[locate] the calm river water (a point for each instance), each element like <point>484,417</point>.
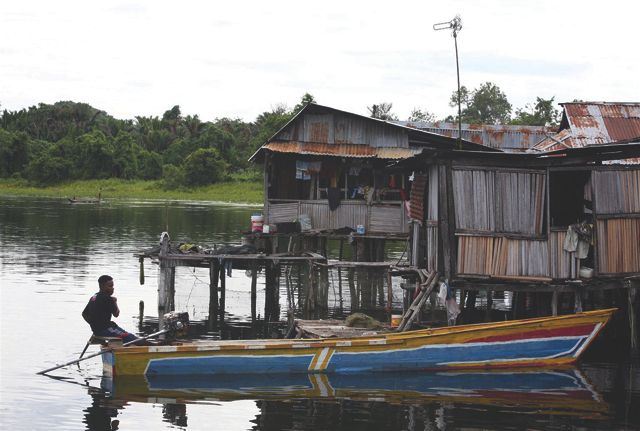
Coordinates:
<point>52,252</point>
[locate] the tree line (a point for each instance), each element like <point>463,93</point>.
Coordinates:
<point>48,144</point>
<point>487,104</point>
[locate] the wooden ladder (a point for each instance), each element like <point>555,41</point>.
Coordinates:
<point>428,281</point>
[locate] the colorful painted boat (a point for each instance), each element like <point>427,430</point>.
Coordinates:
<point>539,342</point>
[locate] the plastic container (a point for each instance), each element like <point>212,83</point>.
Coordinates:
<point>360,229</point>
<point>586,272</point>
<point>396,319</point>
<point>305,222</point>
<point>266,228</point>
<point>257,221</point>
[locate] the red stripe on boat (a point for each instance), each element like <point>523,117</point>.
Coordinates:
<point>572,331</point>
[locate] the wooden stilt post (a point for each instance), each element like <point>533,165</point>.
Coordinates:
<point>164,280</point>
<point>254,289</point>
<point>554,303</point>
<point>631,299</point>
<point>577,300</point>
<point>389,294</point>
<point>223,292</point>
<point>213,293</point>
<point>340,254</point>
<point>487,316</point>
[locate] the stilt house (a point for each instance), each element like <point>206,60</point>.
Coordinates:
<point>493,217</point>
<point>327,168</point>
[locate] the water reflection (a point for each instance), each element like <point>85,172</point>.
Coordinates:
<point>388,400</point>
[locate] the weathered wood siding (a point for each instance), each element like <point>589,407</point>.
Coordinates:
<point>499,201</point>
<point>617,191</point>
<point>334,128</point>
<point>564,264</point>
<point>618,245</point>
<point>502,256</point>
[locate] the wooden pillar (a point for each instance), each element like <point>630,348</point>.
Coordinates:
<point>271,302</point>
<point>389,294</point>
<point>223,292</point>
<point>340,254</point>
<point>631,299</point>
<point>577,300</point>
<point>487,316</point>
<point>254,289</point>
<point>213,293</point>
<point>554,303</point>
<point>164,280</point>
<point>446,218</point>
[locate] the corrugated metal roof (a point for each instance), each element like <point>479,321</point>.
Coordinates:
<point>341,150</point>
<point>503,137</point>
<point>595,123</point>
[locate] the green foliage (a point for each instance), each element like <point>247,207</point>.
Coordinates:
<point>149,165</point>
<point>486,104</point>
<point>382,111</point>
<point>543,113</point>
<point>172,177</point>
<point>304,101</point>
<point>48,169</point>
<point>204,166</point>
<point>14,154</point>
<point>418,115</point>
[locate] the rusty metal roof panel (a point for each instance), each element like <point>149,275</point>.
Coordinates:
<point>595,123</point>
<point>503,137</point>
<point>341,150</point>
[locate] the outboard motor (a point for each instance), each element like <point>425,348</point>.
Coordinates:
<point>178,324</point>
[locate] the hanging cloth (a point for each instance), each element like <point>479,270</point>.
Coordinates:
<point>334,195</point>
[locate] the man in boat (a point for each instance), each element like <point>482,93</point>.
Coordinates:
<point>99,310</point>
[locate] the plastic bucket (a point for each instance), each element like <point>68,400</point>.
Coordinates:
<point>396,319</point>
<point>360,229</point>
<point>257,221</point>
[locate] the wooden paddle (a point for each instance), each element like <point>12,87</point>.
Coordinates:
<point>155,334</point>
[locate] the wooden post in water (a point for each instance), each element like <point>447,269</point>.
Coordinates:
<point>631,298</point>
<point>554,303</point>
<point>254,288</point>
<point>577,300</point>
<point>487,315</point>
<point>165,280</point>
<point>213,293</point>
<point>223,291</point>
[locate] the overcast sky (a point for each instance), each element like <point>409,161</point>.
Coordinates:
<point>240,58</point>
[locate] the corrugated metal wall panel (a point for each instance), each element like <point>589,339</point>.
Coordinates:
<point>617,191</point>
<point>416,205</point>
<point>618,246</point>
<point>319,213</point>
<point>280,213</point>
<point>386,218</point>
<point>349,216</point>
<point>474,199</point>
<point>432,197</point>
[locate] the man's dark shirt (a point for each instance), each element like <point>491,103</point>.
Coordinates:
<point>98,311</point>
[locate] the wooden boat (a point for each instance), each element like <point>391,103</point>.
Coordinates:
<point>565,390</point>
<point>539,342</point>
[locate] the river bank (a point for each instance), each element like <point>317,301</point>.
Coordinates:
<point>249,192</point>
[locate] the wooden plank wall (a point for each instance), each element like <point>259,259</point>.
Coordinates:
<point>279,213</point>
<point>502,256</point>
<point>618,245</point>
<point>499,201</point>
<point>563,264</point>
<point>617,191</point>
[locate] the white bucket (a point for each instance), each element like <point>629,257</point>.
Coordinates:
<point>257,221</point>
<point>360,229</point>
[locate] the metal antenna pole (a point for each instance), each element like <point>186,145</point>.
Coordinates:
<point>455,25</point>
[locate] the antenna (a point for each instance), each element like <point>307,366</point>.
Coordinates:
<point>455,25</point>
